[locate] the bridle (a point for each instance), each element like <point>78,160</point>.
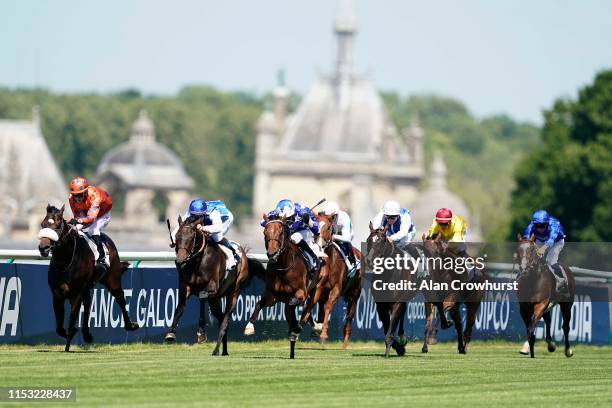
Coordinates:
<point>282,241</point>
<point>534,262</point>
<point>384,241</point>
<point>192,251</point>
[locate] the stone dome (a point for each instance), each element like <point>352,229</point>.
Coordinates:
<point>143,162</point>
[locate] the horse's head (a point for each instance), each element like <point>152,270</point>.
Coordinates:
<point>53,228</point>
<point>190,240</point>
<point>276,235</point>
<point>526,255</point>
<point>326,229</point>
<point>376,244</point>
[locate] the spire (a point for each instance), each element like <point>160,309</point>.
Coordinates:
<point>345,28</point>
<point>143,130</point>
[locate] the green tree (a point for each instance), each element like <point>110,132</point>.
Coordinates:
<point>570,174</point>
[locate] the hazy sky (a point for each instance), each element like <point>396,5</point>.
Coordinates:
<point>496,56</point>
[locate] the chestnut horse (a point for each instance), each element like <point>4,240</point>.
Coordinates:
<point>72,275</point>
<point>286,277</point>
<point>200,264</point>
<point>451,299</point>
<point>333,282</point>
<point>537,294</point>
<point>390,313</point>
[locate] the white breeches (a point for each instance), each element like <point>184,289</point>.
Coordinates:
<point>552,255</point>
<point>98,225</point>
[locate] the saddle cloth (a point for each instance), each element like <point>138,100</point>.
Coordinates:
<point>94,248</point>
<point>351,268</point>
<point>230,261</point>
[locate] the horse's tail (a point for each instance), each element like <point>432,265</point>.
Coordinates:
<point>124,266</point>
<point>256,268</point>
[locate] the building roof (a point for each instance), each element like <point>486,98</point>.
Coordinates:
<point>143,162</point>
<point>29,177</point>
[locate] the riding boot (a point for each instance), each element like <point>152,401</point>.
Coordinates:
<point>100,262</point>
<point>560,283</point>
<point>225,242</point>
<point>303,245</point>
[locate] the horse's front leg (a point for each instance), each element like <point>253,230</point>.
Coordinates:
<point>327,309</point>
<point>224,324</point>
<point>429,314</point>
<point>552,346</point>
<point>266,300</point>
<point>456,315</point>
<point>470,319</point>
<point>75,307</point>
<point>184,293</point>
<point>294,329</point>
<point>87,337</point>
<point>397,314</point>
<point>201,333</point>
<point>350,313</point>
<point>58,310</point>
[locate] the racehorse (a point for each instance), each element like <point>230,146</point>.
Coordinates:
<point>436,248</point>
<point>200,264</point>
<point>537,294</point>
<point>286,277</point>
<point>72,274</point>
<point>390,313</point>
<point>333,282</point>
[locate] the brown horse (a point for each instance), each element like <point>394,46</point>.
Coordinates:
<point>200,264</point>
<point>333,282</point>
<point>286,277</point>
<point>390,313</point>
<point>451,299</point>
<point>537,294</point>
<point>72,275</point>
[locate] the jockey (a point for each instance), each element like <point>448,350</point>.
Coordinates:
<point>550,239</point>
<point>217,220</point>
<point>302,226</point>
<point>342,228</point>
<point>91,207</point>
<point>401,229</point>
<point>451,227</point>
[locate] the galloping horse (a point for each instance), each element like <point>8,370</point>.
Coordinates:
<point>452,299</point>
<point>390,313</point>
<point>537,295</point>
<point>333,282</point>
<point>72,275</point>
<point>286,277</point>
<point>200,263</point>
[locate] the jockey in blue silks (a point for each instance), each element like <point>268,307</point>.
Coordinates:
<point>217,220</point>
<point>550,239</point>
<point>302,227</point>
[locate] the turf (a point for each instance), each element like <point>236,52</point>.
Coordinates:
<point>260,374</point>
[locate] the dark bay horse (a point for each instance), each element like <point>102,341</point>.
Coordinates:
<point>390,313</point>
<point>436,248</point>
<point>72,275</point>
<point>537,294</point>
<point>286,277</point>
<point>333,283</point>
<point>200,264</point>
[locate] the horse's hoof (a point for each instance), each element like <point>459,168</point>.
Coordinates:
<point>87,337</point>
<point>317,327</point>
<point>215,352</point>
<point>249,329</point>
<point>424,350</point>
<point>552,347</point>
<point>170,337</point>
<point>201,337</point>
<point>462,350</point>
<point>345,345</point>
<point>132,326</point>
<point>67,348</point>
<point>225,353</point>
<point>323,340</point>
<point>61,332</point>
<point>399,348</point>
<point>525,350</point>
<point>446,325</point>
<point>402,340</point>
<point>569,352</point>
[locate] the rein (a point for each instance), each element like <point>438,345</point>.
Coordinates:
<point>63,235</point>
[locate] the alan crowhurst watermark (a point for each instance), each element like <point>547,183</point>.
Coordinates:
<point>401,277</point>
